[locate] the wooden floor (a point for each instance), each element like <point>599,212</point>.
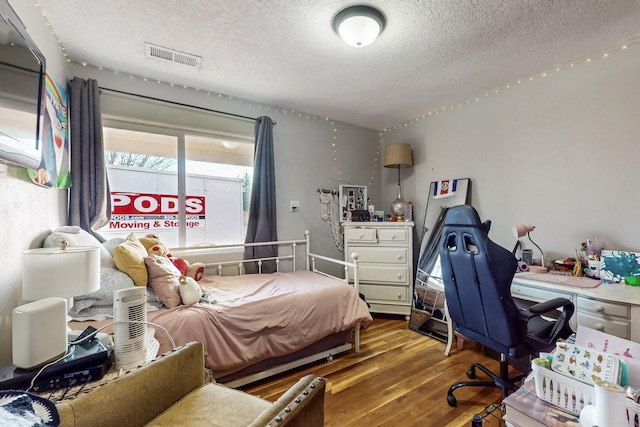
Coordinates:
<point>399,378</point>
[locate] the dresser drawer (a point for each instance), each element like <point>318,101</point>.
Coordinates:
<point>618,328</point>
<point>604,308</point>
<point>383,274</point>
<point>381,255</point>
<point>360,235</point>
<point>397,235</point>
<point>384,293</point>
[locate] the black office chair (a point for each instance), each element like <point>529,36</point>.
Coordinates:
<point>477,277</point>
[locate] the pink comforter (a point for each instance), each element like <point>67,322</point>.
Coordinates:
<point>258,316</point>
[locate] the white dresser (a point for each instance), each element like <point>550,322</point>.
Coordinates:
<point>385,255</point>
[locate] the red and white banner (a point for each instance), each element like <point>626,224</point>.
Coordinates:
<point>147,211</point>
<point>444,188</point>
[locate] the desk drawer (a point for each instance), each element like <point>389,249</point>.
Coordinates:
<point>396,235</point>
<point>384,274</point>
<point>618,328</point>
<point>602,308</point>
<point>381,255</point>
<point>384,293</point>
<point>360,235</point>
<point>536,294</point>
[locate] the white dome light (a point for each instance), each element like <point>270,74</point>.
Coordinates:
<point>359,26</point>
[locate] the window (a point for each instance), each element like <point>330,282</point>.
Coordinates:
<point>149,165</point>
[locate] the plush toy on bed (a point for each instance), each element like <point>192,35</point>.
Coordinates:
<point>190,291</point>
<point>154,245</point>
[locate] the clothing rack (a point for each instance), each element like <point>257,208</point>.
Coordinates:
<point>325,191</point>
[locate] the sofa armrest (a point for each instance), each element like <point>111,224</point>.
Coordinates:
<point>302,405</point>
<point>140,395</point>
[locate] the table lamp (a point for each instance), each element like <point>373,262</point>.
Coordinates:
<point>398,156</point>
<point>520,230</point>
<point>51,278</point>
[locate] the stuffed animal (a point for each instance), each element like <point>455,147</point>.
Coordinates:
<point>154,245</point>
<point>190,291</point>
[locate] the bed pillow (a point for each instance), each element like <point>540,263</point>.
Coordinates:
<point>164,279</point>
<point>129,258</point>
<point>111,244</point>
<point>76,236</point>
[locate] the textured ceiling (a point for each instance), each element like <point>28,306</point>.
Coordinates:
<point>284,53</point>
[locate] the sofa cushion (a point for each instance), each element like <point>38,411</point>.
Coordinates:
<point>213,405</point>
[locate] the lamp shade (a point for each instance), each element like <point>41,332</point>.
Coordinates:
<point>359,25</point>
<point>521,230</point>
<point>56,272</point>
<point>398,155</point>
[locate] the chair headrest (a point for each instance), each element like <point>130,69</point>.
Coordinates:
<point>465,216</point>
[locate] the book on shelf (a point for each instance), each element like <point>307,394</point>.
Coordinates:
<point>524,409</point>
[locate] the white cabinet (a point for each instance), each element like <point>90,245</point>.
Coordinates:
<point>385,259</point>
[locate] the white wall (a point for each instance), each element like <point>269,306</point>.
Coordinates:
<point>557,152</point>
<point>28,212</point>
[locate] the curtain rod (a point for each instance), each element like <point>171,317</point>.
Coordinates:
<point>182,105</point>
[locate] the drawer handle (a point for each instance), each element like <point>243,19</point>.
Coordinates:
<point>399,276</point>
<point>599,308</point>
<point>599,327</point>
<point>399,296</point>
<point>399,257</point>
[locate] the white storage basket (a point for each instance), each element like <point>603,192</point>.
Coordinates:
<point>572,395</point>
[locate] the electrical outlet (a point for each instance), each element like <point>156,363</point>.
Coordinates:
<point>294,205</point>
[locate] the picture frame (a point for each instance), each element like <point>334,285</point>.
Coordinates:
<point>352,198</point>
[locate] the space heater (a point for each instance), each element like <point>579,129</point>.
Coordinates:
<point>130,330</point>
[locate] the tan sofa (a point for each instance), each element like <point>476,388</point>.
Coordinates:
<point>171,391</point>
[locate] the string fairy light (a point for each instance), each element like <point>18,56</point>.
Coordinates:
<point>334,134</point>
<point>603,54</point>
<point>252,104</point>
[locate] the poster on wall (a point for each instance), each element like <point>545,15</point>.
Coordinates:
<point>54,168</point>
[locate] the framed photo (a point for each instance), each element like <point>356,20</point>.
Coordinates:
<point>352,198</point>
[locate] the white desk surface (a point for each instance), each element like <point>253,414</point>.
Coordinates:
<point>615,292</point>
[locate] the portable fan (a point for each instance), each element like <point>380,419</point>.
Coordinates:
<point>130,332</point>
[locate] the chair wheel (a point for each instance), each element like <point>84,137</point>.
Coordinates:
<point>471,373</point>
<point>451,400</point>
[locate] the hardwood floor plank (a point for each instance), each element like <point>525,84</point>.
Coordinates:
<point>399,378</point>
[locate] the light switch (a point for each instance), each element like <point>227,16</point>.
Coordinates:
<point>294,205</point>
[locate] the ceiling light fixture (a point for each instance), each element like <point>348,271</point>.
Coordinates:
<point>359,25</point>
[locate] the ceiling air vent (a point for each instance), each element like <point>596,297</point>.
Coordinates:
<point>170,55</point>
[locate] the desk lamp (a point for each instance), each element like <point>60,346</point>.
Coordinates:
<point>51,278</point>
<point>398,156</point>
<point>520,230</point>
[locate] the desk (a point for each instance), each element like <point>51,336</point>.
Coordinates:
<point>613,308</point>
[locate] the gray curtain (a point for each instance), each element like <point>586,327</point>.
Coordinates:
<point>262,225</point>
<point>89,197</point>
